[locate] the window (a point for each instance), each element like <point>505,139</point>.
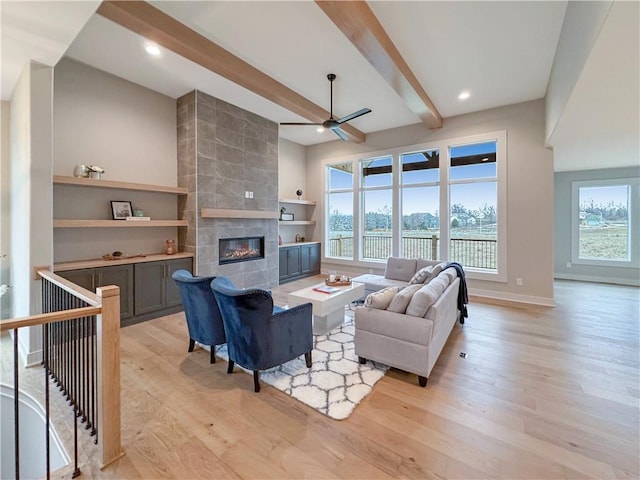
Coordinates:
<point>602,216</point>
<point>443,201</point>
<point>420,199</point>
<point>377,214</point>
<point>473,200</point>
<point>340,210</point>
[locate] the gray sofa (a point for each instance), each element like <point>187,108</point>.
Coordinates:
<point>412,339</point>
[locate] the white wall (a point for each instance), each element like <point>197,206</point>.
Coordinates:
<point>529,189</point>
<point>580,29</point>
<point>128,130</point>
<point>5,211</point>
<point>31,193</point>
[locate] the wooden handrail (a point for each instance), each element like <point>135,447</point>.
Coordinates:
<point>76,290</point>
<point>105,305</point>
<point>44,318</point>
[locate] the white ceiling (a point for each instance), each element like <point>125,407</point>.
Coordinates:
<point>501,52</point>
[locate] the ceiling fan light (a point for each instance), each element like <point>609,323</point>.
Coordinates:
<point>320,129</point>
<point>464,95</point>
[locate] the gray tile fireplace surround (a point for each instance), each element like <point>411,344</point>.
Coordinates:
<point>224,151</point>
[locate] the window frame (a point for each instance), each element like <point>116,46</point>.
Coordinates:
<point>500,136</point>
<point>633,217</point>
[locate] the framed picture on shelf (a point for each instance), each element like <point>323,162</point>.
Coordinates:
<point>120,210</point>
<point>287,217</point>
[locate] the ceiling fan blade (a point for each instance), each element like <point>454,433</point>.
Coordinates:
<point>357,114</point>
<point>299,123</point>
<point>338,131</point>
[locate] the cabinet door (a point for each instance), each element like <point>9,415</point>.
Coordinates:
<point>121,276</point>
<point>283,263</point>
<point>310,258</point>
<point>293,261</point>
<point>83,278</point>
<point>150,278</point>
<point>172,293</point>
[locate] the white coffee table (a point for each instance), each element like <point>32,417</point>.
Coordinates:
<point>328,308</point>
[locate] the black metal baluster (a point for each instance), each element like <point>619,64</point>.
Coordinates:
<point>45,356</point>
<point>16,420</point>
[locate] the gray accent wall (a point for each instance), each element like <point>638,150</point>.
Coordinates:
<point>223,152</point>
<point>562,229</point>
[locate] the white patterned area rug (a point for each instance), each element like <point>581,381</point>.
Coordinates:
<point>335,383</point>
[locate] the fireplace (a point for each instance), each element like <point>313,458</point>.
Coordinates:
<point>240,249</point>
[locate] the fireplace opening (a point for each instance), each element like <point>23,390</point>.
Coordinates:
<point>242,249</point>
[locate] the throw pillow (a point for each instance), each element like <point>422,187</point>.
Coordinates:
<point>402,298</point>
<point>421,275</point>
<point>381,299</point>
<point>435,272</point>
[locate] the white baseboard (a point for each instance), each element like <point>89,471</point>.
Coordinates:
<point>513,297</point>
<point>591,278</point>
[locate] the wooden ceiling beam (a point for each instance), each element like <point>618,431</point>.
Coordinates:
<point>359,24</point>
<point>155,25</point>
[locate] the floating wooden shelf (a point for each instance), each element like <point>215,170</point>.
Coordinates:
<point>91,182</point>
<point>99,262</point>
<point>232,213</point>
<point>296,201</point>
<point>297,222</point>
<point>75,223</point>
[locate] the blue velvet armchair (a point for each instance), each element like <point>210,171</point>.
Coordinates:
<point>259,335</point>
<point>201,309</point>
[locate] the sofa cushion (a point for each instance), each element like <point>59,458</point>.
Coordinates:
<point>381,299</point>
<point>400,268</point>
<point>427,295</point>
<point>402,298</point>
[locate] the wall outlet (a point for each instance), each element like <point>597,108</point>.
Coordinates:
<point>246,194</point>
<point>568,264</point>
<point>519,281</point>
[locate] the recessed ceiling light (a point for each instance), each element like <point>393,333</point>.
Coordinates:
<point>320,129</point>
<point>152,50</point>
<point>464,95</point>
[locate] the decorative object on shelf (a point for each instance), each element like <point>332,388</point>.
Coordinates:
<point>121,209</point>
<point>138,212</point>
<point>120,256</point>
<point>302,239</point>
<point>298,237</point>
<point>138,219</point>
<point>95,171</point>
<point>170,247</point>
<point>279,239</point>
<point>299,194</point>
<point>285,216</point>
<point>81,171</point>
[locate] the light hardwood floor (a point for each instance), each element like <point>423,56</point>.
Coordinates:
<point>544,393</point>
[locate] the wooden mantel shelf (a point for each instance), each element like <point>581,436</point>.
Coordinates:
<point>91,182</point>
<point>233,213</point>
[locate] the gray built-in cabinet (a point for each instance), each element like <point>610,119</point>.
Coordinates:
<point>146,289</point>
<point>298,261</point>
<point>154,287</point>
<point>118,275</point>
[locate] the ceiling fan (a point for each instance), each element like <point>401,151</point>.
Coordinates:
<point>334,123</point>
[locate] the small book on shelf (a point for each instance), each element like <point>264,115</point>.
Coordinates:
<point>139,219</point>
<point>326,289</point>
